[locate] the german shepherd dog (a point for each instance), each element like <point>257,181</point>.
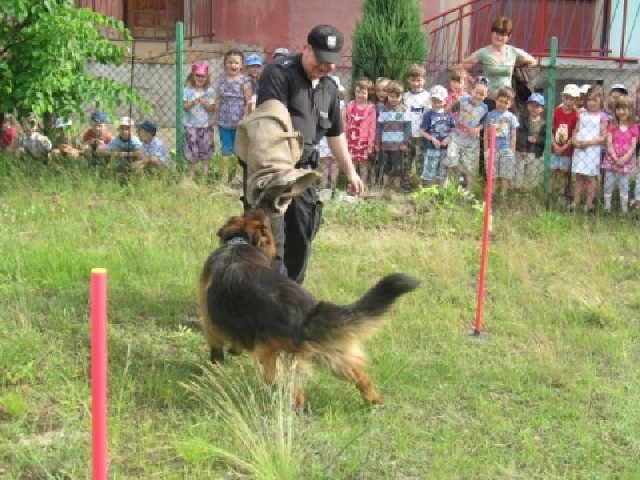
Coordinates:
<point>250,306</point>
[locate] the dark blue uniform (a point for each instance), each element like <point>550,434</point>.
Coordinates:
<point>315,112</point>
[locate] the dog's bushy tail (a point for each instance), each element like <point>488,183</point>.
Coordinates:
<point>329,322</point>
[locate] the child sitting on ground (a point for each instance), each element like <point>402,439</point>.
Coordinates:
<point>96,137</point>
<point>9,133</point>
<point>63,144</point>
<point>125,146</point>
<point>32,144</point>
<point>154,151</point>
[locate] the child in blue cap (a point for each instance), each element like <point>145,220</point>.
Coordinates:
<point>253,66</point>
<point>530,145</point>
<point>96,137</point>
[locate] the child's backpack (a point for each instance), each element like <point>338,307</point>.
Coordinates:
<point>269,148</point>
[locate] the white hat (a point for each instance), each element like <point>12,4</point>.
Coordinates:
<point>61,122</point>
<point>620,87</point>
<point>584,88</point>
<point>439,92</point>
<point>284,52</point>
<point>126,121</point>
<point>572,90</point>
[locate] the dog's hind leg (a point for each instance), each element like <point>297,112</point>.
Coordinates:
<point>363,383</point>
<point>266,357</point>
<point>349,364</point>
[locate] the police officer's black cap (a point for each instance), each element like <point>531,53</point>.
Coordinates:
<point>326,41</point>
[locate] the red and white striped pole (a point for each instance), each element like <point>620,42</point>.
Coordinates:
<point>99,372</point>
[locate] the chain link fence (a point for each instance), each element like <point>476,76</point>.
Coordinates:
<point>565,175</point>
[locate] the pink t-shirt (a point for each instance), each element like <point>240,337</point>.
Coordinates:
<point>621,142</point>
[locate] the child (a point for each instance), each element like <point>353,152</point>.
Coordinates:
<point>565,118</point>
<point>32,144</point>
<point>125,146</point>
<point>506,122</point>
<point>463,153</point>
<point>253,66</point>
<point>616,91</point>
<point>9,133</point>
<point>530,145</point>
<point>588,137</point>
<point>456,89</point>
<point>329,165</point>
<point>233,95</point>
<point>63,144</point>
<point>360,127</point>
<point>97,136</point>
<point>393,135</point>
<point>381,93</point>
<point>379,100</point>
<point>417,101</point>
<point>580,103</point>
<point>154,151</point>
<point>199,106</point>
<point>435,131</point>
<point>622,138</point>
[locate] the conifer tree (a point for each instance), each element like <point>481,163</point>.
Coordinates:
<point>387,39</point>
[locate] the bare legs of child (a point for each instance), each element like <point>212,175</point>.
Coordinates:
<point>362,167</point>
<point>587,183</point>
<point>329,172</point>
<point>560,181</point>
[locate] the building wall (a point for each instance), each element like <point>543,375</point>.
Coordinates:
<point>285,23</point>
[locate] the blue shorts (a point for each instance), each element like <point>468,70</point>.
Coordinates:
<point>560,162</point>
<point>227,140</point>
<point>434,164</point>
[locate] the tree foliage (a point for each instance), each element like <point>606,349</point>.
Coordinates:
<point>387,39</point>
<point>44,47</point>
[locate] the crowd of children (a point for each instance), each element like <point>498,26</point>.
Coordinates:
<point>434,136</point>
<point>396,138</point>
<point>96,145</point>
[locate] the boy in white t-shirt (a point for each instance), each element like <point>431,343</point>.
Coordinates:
<point>417,101</point>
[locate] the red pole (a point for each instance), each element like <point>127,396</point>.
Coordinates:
<point>486,229</point>
<point>99,372</point>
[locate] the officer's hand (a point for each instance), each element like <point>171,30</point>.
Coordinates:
<point>356,186</point>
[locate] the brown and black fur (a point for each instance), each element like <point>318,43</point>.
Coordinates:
<point>250,306</point>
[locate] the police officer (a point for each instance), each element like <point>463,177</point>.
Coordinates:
<point>302,84</point>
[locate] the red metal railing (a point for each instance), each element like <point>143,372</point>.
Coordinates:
<point>582,28</point>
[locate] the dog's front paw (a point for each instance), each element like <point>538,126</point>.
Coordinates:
<point>217,355</point>
<point>235,350</point>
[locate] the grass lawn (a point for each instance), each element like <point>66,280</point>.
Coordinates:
<point>553,392</point>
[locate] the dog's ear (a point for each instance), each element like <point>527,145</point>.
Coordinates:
<point>259,215</point>
<point>263,239</point>
<point>231,228</point>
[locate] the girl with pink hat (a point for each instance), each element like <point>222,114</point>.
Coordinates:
<point>199,106</point>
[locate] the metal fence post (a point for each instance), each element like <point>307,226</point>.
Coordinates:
<point>548,141</point>
<point>179,103</point>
